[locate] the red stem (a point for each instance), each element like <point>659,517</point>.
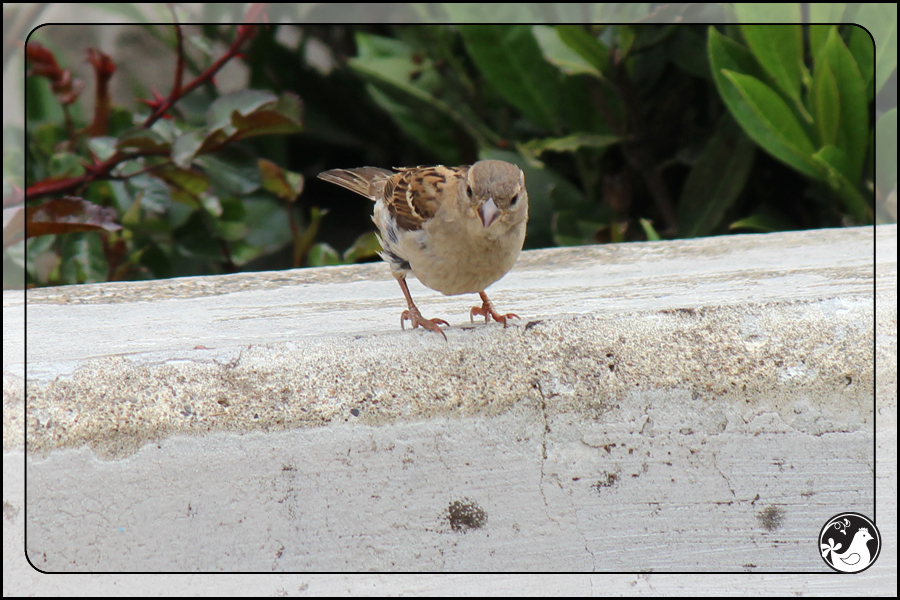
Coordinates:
<point>46,188</point>
<point>243,34</point>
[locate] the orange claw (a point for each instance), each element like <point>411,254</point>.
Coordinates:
<point>415,318</point>
<point>413,314</point>
<point>487,311</point>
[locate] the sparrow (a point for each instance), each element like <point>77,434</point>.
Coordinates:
<point>457,229</point>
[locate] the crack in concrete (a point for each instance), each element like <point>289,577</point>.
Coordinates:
<point>715,461</point>
<point>546,429</point>
<point>584,539</point>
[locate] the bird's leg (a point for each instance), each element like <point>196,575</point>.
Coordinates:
<point>414,316</point>
<point>487,310</point>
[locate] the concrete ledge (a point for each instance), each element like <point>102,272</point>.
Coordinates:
<point>693,405</point>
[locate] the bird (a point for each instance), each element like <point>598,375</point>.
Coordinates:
<point>854,558</point>
<point>456,229</point>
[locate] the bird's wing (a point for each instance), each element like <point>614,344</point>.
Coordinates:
<point>366,181</point>
<point>414,195</point>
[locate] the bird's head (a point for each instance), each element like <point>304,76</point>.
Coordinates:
<point>496,189</point>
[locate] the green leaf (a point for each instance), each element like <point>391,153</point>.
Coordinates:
<point>688,52</point>
<point>285,184</point>
<point>131,218</point>
<point>65,164</point>
<point>233,209</point>
<point>886,152</point>
<point>880,18</point>
<point>768,120</point>
<point>764,12</point>
<point>121,120</point>
<point>102,146</point>
<point>229,231</point>
<point>322,255</point>
<point>779,49</point>
<point>365,246</point>
<point>376,46</point>
<point>230,172</point>
<point>177,214</point>
<point>725,53</point>
<point>185,148</point>
<point>242,252</point>
<point>244,102</point>
<point>252,113</point>
<point>184,185</point>
<point>834,162</point>
<point>586,45</point>
<point>289,105</point>
<point>766,220</point>
<point>83,260</point>
<point>430,125</point>
<point>621,12</point>
<point>405,88</point>
<point>166,130</point>
<point>570,229</point>
<point>475,12</point>
<point>144,140</point>
<point>195,241</point>
<point>152,193</point>
<point>40,259</point>
<point>559,53</point>
<point>511,61</point>
<point>13,225</point>
<point>823,12</point>
<point>272,121</point>
<point>579,109</point>
<point>826,104</point>
<point>211,204</point>
<point>863,50</point>
<point>649,231</point>
<point>624,36</point>
<point>818,34</point>
<point>716,180</point>
<point>569,143</point>
<point>853,130</point>
<point>41,104</point>
<point>203,44</point>
<point>304,241</point>
<point>269,226</point>
<point>826,12</point>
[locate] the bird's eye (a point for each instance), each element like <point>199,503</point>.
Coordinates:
<point>514,200</point>
<point>469,191</point>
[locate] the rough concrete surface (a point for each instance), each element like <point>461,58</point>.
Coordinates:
<point>699,405</point>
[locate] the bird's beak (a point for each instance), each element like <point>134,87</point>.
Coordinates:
<point>489,212</point>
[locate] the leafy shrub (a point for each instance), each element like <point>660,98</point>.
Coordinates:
<point>625,132</point>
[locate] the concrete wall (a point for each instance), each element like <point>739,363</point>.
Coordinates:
<point>699,405</point>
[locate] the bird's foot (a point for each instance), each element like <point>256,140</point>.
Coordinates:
<point>487,311</point>
<point>415,318</point>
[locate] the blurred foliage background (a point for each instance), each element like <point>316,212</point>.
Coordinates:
<point>625,132</point>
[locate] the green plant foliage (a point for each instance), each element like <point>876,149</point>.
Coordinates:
<point>511,61</point>
<point>715,181</point>
<point>886,137</point>
<point>157,199</point>
<point>625,132</point>
<point>818,124</point>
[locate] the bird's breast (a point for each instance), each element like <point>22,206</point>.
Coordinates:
<point>459,257</point>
